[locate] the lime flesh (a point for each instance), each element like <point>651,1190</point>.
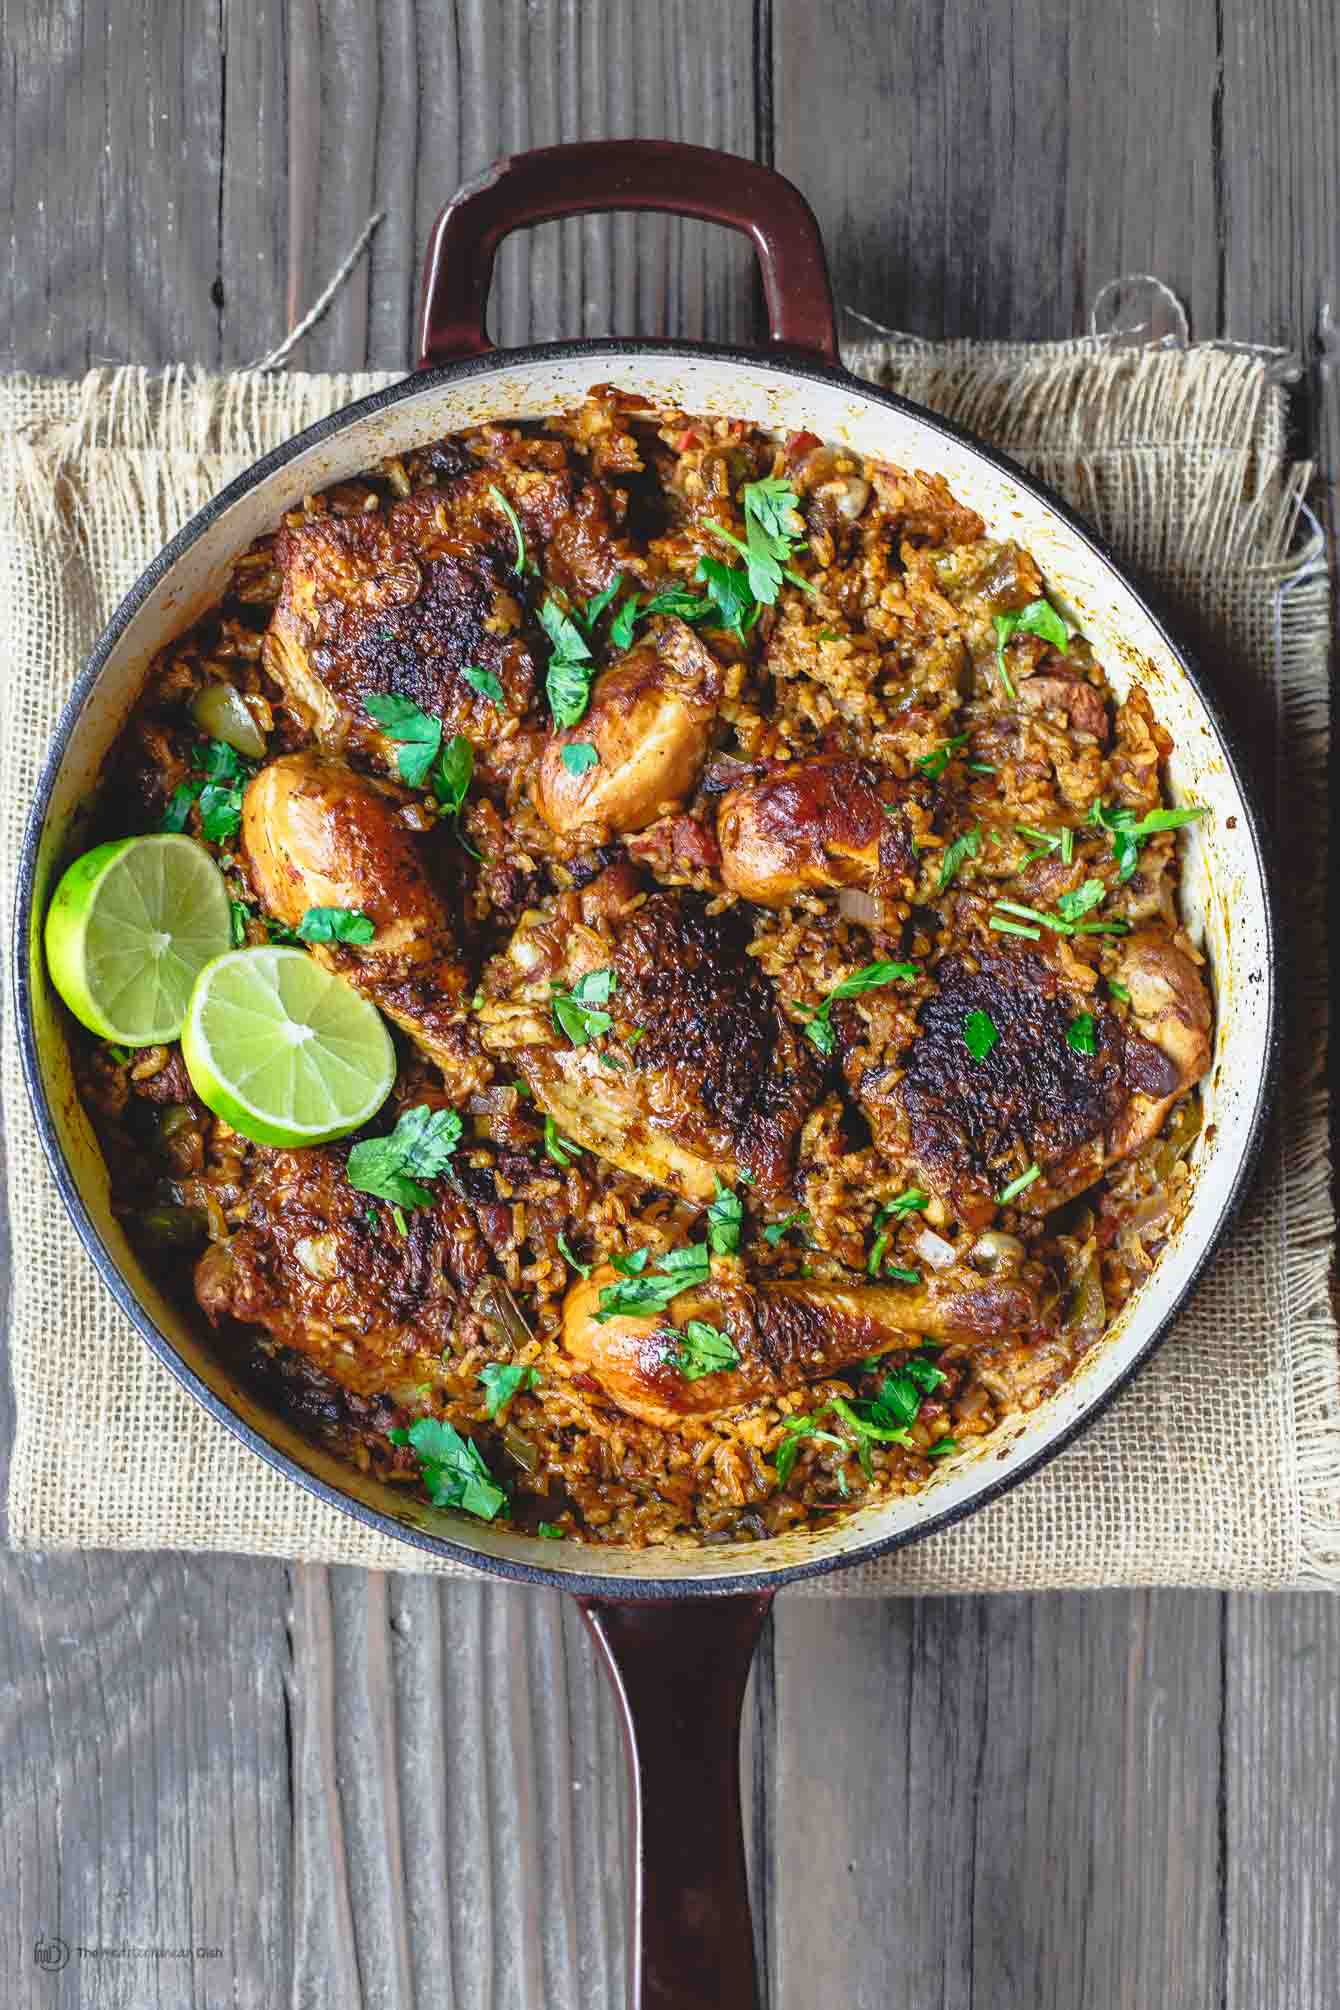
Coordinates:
<point>129,929</point>
<point>283,1049</point>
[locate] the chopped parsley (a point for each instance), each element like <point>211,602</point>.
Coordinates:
<point>561,1151</point>
<point>238,916</point>
<point>218,776</point>
<point>631,1265</point>
<point>336,924</point>
<point>910,1201</point>
<point>1082,1034</point>
<point>417,735</point>
<point>577,1012</point>
<point>933,765</point>
<point>1129,832</point>
<point>886,1419</point>
<point>704,1350</point>
<point>1038,618</point>
<point>568,680</point>
<point>501,1381</point>
<point>621,628</point>
<point>903,1276</point>
<point>725,1218</point>
<point>728,590</point>
<point>956,854</point>
<point>1067,922</point>
<point>451,776</point>
<point>419,1148</point>
<point>515,521</point>
<point>452,1470</point>
<point>1061,842</point>
<point>645,1293</point>
<point>580,758</point>
<point>1119,991</point>
<point>775,1230</point>
<point>565,1250</point>
<point>870,977</point>
<point>979,1033</point>
<point>1073,906</point>
<point>894,1210</point>
<point>549,1531</point>
<point>680,600</point>
<point>941,1447</point>
<point>1018,1186</point>
<point>483,681</point>
<point>598,602</point>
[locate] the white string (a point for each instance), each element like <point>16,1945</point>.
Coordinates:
<point>279,356</point>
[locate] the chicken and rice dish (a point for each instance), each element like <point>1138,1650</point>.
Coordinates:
<point>777,918</point>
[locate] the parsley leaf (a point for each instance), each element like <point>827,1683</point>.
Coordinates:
<point>560,1150</point>
<point>419,1148</point>
<point>704,1350</point>
<point>452,1470</point>
<point>417,735</point>
<point>1072,906</point>
<point>452,774</point>
<point>956,854</point>
<point>501,1381</point>
<point>565,1249</point>
<point>483,681</point>
<point>728,587</point>
<point>1038,618</point>
<point>979,1033</point>
<point>680,600</point>
<point>870,977</point>
<point>910,1201</point>
<point>598,602</point>
<point>725,1218</point>
<point>568,682</point>
<point>550,1531</point>
<point>1020,1185</point>
<point>336,924</point>
<point>238,916</point>
<point>775,1230</point>
<point>1082,1034</point>
<point>220,811</point>
<point>633,1264</point>
<point>933,765</point>
<point>1129,831</point>
<point>796,1428</point>
<point>576,1012</point>
<point>621,627</point>
<point>580,758</point>
<point>641,1296</point>
<point>218,776</point>
<point>1062,842</point>
<point>515,521</point>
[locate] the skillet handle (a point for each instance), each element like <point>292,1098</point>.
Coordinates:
<point>679,1668</point>
<point>549,182</point>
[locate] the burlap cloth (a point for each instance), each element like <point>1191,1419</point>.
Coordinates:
<point>1221,1465</point>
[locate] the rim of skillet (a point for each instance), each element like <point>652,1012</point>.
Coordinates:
<point>593,1583</point>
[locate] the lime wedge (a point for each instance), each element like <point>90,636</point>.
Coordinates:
<point>129,929</point>
<point>283,1050</point>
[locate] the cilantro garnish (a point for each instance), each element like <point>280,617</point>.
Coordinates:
<point>598,602</point>
<point>565,1250</point>
<point>645,1293</point>
<point>979,1033</point>
<point>577,1012</point>
<point>451,776</point>
<point>1061,842</point>
<point>218,776</point>
<point>417,734</point>
<point>704,1350</point>
<point>1038,618</point>
<point>961,849</point>
<point>559,1150</point>
<point>580,758</point>
<point>336,924</point>
<point>452,1470</point>
<point>775,1230</point>
<point>621,628</point>
<point>483,681</point>
<point>933,765</point>
<point>501,1381</point>
<point>238,916</point>
<point>1082,1034</point>
<point>515,521</point>
<point>871,976</point>
<point>1072,905</point>
<point>1129,831</point>
<point>550,1531</point>
<point>725,1218</point>
<point>568,681</point>
<point>1018,1186</point>
<point>419,1148</point>
<point>728,588</point>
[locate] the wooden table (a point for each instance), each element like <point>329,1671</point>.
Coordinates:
<point>385,1791</point>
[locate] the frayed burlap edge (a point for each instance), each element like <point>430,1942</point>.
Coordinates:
<point>143,443</point>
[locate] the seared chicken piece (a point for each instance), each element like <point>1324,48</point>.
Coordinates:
<point>649,721</point>
<point>785,1334</point>
<point>316,834</point>
<point>965,1128</point>
<point>315,1266</point>
<point>815,825</point>
<point>401,601</point>
<point>699,1075</point>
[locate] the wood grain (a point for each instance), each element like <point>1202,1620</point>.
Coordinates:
<point>396,1792</point>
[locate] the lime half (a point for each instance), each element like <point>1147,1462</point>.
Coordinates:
<point>130,928</point>
<point>283,1050</point>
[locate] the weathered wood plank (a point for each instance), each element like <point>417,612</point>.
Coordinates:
<point>983,171</point>
<point>144,1798</point>
<point>1009,1801</point>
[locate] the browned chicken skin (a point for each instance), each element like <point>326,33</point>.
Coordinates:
<point>316,834</point>
<point>815,825</point>
<point>649,721</point>
<point>713,1078</point>
<point>785,1334</point>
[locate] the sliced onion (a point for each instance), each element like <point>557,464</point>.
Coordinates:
<point>855,904</point>
<point>933,1249</point>
<point>224,714</point>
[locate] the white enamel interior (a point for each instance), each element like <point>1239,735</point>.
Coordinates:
<point>1224,896</point>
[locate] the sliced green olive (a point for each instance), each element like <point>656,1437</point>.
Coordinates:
<point>224,714</point>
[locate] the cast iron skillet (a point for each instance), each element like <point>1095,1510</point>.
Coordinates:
<point>677,1630</point>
